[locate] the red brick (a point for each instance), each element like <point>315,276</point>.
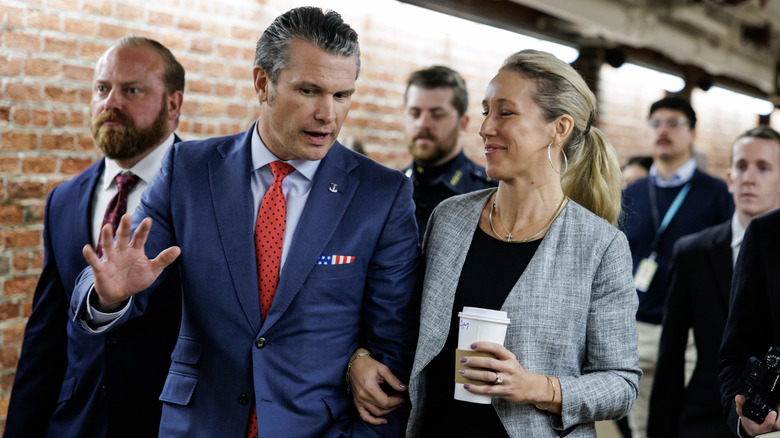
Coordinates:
<point>22,116</point>
<point>60,142</point>
<point>101,8</point>
<point>112,31</point>
<point>41,67</point>
<point>129,12</point>
<point>78,73</point>
<point>60,46</point>
<point>40,117</point>
<point>7,381</point>
<point>188,23</point>
<point>33,213</point>
<point>74,166</point>
<point>23,92</point>
<point>5,113</point>
<point>77,119</point>
<point>160,19</point>
<point>36,262</point>
<point>201,45</point>
<point>86,143</point>
<point>214,69</point>
<point>92,51</point>
<point>12,214</point>
<point>25,190</point>
<point>242,73</point>
<point>59,118</point>
<point>226,90</point>
<point>4,408</point>
<point>19,141</point>
<point>245,34</point>
<point>9,165</point>
<point>198,86</point>
<point>10,66</point>
<point>27,305</point>
<point>8,358</point>
<point>13,17</point>
<point>63,94</point>
<point>80,26</point>
<point>13,335</point>
<point>40,165</point>
<point>40,19</point>
<point>22,41</point>
<point>50,184</point>
<point>238,111</point>
<point>22,238</point>
<point>21,263</point>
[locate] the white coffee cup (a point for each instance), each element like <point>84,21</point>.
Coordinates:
<point>477,325</point>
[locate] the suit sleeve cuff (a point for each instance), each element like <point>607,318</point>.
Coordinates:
<point>98,322</point>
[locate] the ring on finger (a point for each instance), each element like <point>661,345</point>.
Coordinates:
<point>499,380</point>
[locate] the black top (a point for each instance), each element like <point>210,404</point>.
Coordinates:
<point>490,271</point>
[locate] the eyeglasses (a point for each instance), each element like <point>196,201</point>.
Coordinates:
<point>673,123</point>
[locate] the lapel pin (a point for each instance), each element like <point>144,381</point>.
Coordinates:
<point>333,187</point>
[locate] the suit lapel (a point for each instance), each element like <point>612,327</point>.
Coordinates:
<point>320,218</point>
<point>229,180</point>
<point>720,259</point>
<point>86,190</point>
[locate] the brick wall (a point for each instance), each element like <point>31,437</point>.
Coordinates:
<point>48,49</point>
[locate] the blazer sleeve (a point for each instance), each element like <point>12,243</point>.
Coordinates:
<point>666,400</point>
<point>608,385</point>
<point>42,363</point>
<point>391,303</point>
<point>748,328</point>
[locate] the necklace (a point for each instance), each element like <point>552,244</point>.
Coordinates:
<point>509,235</point>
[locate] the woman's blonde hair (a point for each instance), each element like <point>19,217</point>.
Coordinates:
<point>592,178</point>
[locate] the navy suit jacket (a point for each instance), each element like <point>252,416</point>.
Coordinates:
<point>698,298</point>
<point>754,314</point>
<point>71,384</point>
<point>294,362</point>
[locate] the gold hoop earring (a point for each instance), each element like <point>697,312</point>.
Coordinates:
<point>566,160</point>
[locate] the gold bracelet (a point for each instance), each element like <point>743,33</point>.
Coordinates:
<point>366,353</point>
<point>544,408</point>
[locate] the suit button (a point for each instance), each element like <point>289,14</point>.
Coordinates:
<point>260,343</point>
<point>243,399</point>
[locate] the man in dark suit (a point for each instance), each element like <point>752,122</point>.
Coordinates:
<point>698,296</point>
<point>346,254</point>
<point>68,383</point>
<point>753,324</point>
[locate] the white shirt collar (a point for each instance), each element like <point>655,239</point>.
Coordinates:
<point>680,176</point>
<point>145,169</point>
<point>262,156</point>
<point>737,231</point>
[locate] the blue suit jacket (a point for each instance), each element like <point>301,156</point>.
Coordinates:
<point>294,363</point>
<point>68,383</point>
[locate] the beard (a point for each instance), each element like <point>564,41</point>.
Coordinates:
<point>430,154</point>
<point>127,141</point>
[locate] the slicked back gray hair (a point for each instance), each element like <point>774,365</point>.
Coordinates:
<point>325,29</point>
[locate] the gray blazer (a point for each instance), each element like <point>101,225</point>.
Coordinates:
<point>572,316</point>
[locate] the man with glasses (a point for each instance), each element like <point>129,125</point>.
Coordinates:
<point>676,199</point>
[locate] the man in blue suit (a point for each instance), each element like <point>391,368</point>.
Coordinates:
<point>349,258</point>
<point>68,383</point>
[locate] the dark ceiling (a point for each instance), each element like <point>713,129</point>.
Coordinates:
<point>731,43</point>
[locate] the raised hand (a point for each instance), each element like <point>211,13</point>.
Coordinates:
<point>125,270</point>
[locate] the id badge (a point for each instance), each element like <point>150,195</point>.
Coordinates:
<point>645,273</point>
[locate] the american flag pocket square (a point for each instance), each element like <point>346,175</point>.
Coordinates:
<point>335,260</point>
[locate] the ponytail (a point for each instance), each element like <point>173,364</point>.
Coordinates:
<point>593,177</point>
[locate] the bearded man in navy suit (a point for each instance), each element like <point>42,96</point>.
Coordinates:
<point>68,383</point>
<point>347,273</point>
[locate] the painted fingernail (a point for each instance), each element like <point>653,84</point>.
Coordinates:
<point>401,385</point>
<point>466,386</point>
<point>474,346</point>
<point>462,360</point>
<point>461,371</point>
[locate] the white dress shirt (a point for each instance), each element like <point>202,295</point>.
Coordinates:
<point>737,233</point>
<point>682,175</point>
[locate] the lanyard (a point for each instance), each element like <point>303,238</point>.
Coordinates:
<point>670,213</point>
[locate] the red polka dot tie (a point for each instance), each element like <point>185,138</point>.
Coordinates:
<point>269,236</point>
<point>125,182</point>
